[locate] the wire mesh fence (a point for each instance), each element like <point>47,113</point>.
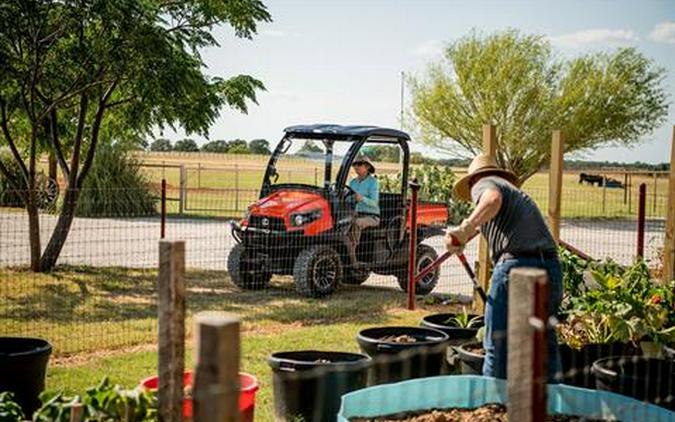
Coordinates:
<point>102,295</point>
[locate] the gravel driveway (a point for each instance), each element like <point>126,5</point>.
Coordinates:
<point>133,243</point>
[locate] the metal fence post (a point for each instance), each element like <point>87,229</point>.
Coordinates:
<point>162,227</point>
<point>412,258</point>
<point>642,202</point>
<point>171,292</point>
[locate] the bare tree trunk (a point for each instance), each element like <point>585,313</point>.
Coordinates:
<point>60,233</point>
<point>33,231</point>
<point>52,166</point>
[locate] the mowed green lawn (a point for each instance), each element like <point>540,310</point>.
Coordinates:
<point>227,185</point>
<point>102,321</point>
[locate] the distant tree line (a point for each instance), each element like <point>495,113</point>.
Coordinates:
<point>235,146</point>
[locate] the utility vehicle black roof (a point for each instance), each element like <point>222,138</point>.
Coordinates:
<point>322,130</point>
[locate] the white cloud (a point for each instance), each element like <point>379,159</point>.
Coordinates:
<point>273,33</point>
<point>664,32</point>
<point>614,37</point>
<point>429,48</point>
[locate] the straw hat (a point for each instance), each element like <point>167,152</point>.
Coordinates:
<point>363,159</point>
<point>481,166</point>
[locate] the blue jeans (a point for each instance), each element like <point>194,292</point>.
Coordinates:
<point>496,315</point>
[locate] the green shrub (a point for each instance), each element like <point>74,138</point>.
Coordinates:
<point>10,411</point>
<point>9,195</point>
<point>116,186</point>
<point>435,185</point>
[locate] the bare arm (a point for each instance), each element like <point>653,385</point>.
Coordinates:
<point>487,208</point>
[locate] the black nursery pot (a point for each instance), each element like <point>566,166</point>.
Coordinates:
<point>393,362</point>
<point>309,385</point>
<point>23,364</point>
<point>456,335</point>
<point>470,363</point>
<point>643,378</point>
<point>577,364</point>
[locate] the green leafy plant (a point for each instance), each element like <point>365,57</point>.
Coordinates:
<point>462,320</point>
<point>10,411</point>
<point>103,403</point>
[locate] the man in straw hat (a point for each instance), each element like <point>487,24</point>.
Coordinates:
<point>367,193</point>
<point>517,236</point>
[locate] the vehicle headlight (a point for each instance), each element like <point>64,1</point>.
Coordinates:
<point>304,218</point>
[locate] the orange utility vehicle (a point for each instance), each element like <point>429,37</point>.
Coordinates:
<point>301,228</point>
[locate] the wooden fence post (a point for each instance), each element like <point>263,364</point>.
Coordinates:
<point>655,190</point>
<point>236,187</point>
<point>484,265</point>
<point>527,370</point>
<point>171,290</point>
<point>182,190</point>
<point>555,183</point>
<point>216,375</point>
<point>669,241</point>
<point>604,194</point>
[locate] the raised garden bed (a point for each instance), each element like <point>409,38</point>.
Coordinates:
<point>420,396</point>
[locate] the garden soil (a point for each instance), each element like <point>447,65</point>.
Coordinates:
<point>487,413</point>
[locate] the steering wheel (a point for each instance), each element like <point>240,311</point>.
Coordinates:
<point>349,191</point>
<point>274,175</point>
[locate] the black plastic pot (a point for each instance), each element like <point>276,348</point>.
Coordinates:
<point>646,379</point>
<point>577,364</point>
<point>470,363</point>
<point>309,384</point>
<point>669,352</point>
<point>23,364</point>
<point>393,362</point>
<point>455,334</point>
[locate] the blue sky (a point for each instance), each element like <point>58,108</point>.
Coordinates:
<point>340,61</point>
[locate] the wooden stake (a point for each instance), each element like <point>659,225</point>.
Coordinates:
<point>216,375</point>
<point>555,183</point>
<point>669,242</point>
<point>171,288</point>
<point>484,264</point>
<point>527,346</point>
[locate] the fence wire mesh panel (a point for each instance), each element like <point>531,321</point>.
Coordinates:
<point>297,290</point>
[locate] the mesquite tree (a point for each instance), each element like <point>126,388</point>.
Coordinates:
<point>72,69</point>
<point>516,82</point>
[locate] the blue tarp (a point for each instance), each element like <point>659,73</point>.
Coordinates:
<point>470,391</point>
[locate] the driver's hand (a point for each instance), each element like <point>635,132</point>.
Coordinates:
<point>358,197</point>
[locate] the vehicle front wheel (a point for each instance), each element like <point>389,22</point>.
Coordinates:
<point>425,256</point>
<point>317,271</point>
<point>243,270</point>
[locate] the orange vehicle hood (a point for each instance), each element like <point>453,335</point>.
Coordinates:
<point>286,202</point>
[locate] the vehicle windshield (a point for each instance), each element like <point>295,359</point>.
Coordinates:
<point>303,161</point>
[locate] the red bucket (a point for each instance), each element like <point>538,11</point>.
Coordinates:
<point>249,386</point>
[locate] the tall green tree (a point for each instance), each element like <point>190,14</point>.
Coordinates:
<point>516,82</point>
<point>259,146</point>
<point>71,69</point>
<point>161,144</point>
<point>186,145</point>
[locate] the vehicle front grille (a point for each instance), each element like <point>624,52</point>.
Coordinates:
<point>268,223</point>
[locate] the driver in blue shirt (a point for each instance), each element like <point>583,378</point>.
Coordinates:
<point>367,193</point>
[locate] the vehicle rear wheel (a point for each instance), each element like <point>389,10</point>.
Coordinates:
<point>243,271</point>
<point>317,271</point>
<point>425,256</point>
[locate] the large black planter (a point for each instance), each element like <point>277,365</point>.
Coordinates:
<point>23,365</point>
<point>393,362</point>
<point>647,379</point>
<point>577,364</point>
<point>470,363</point>
<point>308,385</point>
<point>456,335</point>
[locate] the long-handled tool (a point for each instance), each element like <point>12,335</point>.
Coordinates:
<point>465,263</point>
